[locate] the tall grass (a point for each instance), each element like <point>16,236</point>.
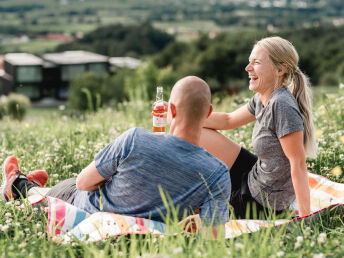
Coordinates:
<point>63,145</point>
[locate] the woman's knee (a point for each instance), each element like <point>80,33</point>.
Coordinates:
<point>220,146</point>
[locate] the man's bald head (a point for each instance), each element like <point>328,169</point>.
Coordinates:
<point>192,98</point>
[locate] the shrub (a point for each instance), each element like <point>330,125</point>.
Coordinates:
<point>329,79</point>
<point>85,92</point>
<point>17,105</point>
<point>89,92</point>
<point>3,107</point>
<point>114,87</point>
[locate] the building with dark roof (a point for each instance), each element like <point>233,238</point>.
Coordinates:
<point>51,74</point>
<point>22,73</point>
<point>61,68</point>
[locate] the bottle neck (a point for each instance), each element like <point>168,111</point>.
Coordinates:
<point>159,94</point>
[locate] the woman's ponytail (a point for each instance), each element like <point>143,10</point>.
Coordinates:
<point>300,88</point>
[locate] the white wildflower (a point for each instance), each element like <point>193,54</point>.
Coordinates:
<point>321,255</point>
<point>297,245</point>
<point>321,238</point>
<point>5,228</point>
<point>336,242</point>
<point>299,239</point>
<point>177,250</point>
<point>239,246</point>
<point>280,254</point>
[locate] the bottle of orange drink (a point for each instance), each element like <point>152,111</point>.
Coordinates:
<point>159,112</point>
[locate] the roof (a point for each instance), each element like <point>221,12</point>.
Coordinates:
<point>22,59</point>
<point>75,57</point>
<point>129,62</point>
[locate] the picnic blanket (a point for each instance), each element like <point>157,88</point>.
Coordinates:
<point>67,221</point>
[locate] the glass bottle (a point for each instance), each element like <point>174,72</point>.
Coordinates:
<point>159,112</point>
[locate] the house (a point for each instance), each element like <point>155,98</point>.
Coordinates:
<point>51,74</point>
<point>22,73</point>
<point>124,62</point>
<point>61,68</point>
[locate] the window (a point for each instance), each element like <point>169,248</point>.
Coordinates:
<point>30,91</point>
<point>69,72</point>
<point>29,74</point>
<point>98,68</point>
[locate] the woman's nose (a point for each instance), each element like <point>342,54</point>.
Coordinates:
<point>248,68</point>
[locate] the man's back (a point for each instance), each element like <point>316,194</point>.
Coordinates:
<point>138,162</point>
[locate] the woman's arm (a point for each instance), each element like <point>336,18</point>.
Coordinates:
<point>225,121</point>
<point>292,145</point>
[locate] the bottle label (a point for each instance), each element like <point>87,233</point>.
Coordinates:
<point>159,121</point>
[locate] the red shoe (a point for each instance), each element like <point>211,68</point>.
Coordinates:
<point>10,173</point>
<point>40,177</point>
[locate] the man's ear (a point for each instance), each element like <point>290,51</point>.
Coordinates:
<point>173,110</point>
<point>210,110</point>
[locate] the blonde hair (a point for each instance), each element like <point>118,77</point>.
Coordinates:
<point>282,53</point>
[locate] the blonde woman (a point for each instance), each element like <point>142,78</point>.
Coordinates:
<point>282,136</point>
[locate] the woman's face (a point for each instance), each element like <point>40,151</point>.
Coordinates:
<point>261,71</point>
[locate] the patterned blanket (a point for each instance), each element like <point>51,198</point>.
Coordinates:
<point>68,221</point>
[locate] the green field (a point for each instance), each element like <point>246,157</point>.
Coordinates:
<point>63,143</point>
<point>34,46</point>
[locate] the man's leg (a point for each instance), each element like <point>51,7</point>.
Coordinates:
<point>65,190</point>
<point>15,184</point>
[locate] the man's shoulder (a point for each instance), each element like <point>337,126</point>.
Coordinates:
<point>134,131</point>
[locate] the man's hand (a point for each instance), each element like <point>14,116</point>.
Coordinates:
<point>193,223</point>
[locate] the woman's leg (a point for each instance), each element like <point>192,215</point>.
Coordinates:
<point>220,146</point>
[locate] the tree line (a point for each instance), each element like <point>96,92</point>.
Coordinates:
<point>220,60</point>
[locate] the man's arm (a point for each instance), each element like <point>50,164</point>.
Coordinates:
<point>89,179</point>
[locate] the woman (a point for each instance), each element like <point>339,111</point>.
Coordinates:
<point>282,136</point>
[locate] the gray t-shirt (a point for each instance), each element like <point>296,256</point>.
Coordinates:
<point>138,162</point>
<point>269,180</point>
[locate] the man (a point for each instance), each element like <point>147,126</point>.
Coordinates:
<point>128,176</point>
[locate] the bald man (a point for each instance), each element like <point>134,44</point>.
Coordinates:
<point>128,175</point>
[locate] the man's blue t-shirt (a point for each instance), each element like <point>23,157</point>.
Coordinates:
<point>139,163</point>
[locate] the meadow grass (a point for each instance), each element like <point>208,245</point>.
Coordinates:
<point>64,142</point>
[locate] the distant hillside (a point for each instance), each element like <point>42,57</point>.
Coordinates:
<point>120,40</point>
<point>83,15</point>
<point>221,60</point>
